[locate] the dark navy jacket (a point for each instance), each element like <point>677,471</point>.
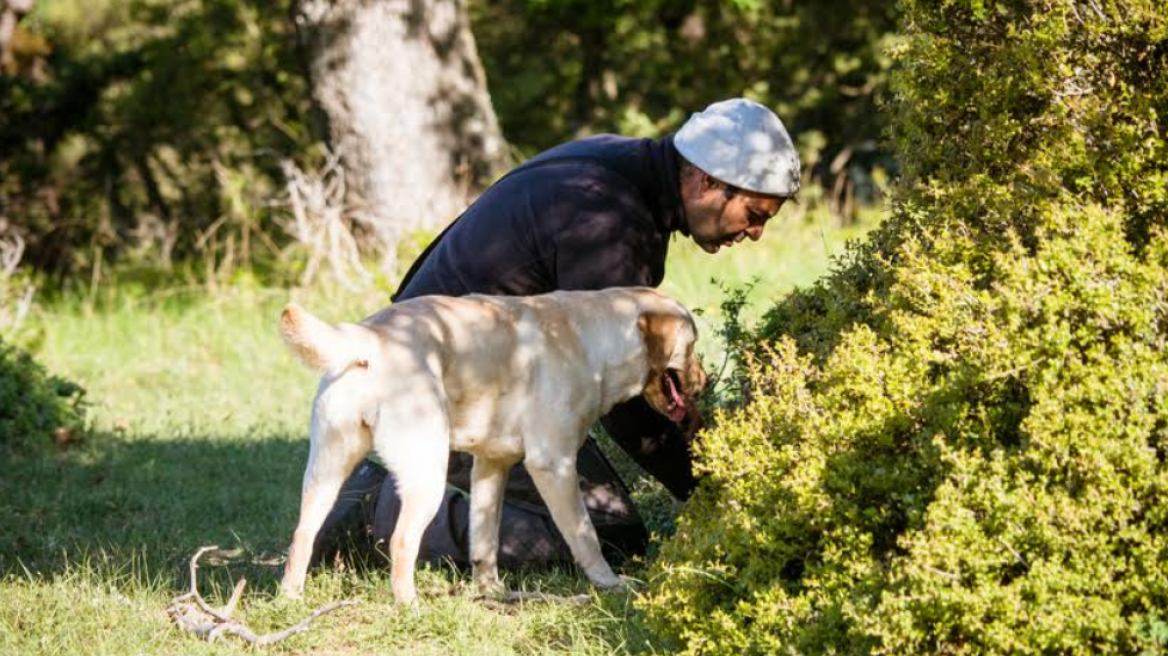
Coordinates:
<point>587,214</point>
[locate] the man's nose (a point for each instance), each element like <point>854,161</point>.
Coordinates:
<point>755,232</point>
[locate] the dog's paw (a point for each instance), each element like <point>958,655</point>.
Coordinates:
<point>602,576</point>
<point>412,605</point>
<point>291,592</point>
<point>405,596</point>
<point>619,585</point>
<point>490,587</point>
<point>487,582</point>
<point>622,585</point>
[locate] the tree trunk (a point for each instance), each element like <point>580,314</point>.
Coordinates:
<point>11,11</point>
<point>404,94</point>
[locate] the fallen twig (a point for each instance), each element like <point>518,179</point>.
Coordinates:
<point>211,623</point>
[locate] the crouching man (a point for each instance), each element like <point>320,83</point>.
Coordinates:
<point>589,214</point>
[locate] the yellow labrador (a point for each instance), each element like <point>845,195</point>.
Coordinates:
<point>502,378</point>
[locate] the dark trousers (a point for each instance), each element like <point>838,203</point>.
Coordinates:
<point>366,510</point>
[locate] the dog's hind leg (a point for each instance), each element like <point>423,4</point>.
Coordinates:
<point>555,478</point>
<point>488,480</point>
<point>416,452</point>
<point>334,453</point>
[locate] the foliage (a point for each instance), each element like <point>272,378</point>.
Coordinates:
<point>640,67</point>
<point>37,409</point>
<point>153,131</point>
<point>957,442</point>
<point>149,130</point>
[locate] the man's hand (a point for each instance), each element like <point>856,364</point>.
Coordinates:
<point>694,422</point>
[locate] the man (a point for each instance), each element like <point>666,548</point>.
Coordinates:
<point>589,214</point>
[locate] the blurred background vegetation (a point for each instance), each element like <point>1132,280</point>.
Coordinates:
<point>167,134</point>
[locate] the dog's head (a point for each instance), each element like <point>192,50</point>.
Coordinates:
<point>676,378</point>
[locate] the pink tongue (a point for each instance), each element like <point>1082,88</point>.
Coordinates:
<point>678,413</point>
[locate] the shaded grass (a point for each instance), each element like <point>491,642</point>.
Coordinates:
<point>98,539</point>
<point>199,438</point>
<point>159,495</point>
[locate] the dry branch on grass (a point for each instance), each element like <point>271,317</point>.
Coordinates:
<point>211,623</point>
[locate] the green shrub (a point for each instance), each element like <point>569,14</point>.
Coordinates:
<point>37,409</point>
<point>957,441</point>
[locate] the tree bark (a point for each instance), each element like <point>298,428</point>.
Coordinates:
<point>401,88</point>
<point>11,11</point>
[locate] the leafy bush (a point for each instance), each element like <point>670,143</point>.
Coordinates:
<point>957,441</point>
<point>36,409</point>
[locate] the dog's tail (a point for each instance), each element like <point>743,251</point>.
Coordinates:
<point>319,345</point>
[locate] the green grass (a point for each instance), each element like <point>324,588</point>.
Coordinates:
<point>199,421</point>
<point>791,253</point>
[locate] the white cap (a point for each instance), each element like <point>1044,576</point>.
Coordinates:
<point>741,143</point>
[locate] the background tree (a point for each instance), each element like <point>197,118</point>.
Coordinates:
<point>11,11</point>
<point>407,107</point>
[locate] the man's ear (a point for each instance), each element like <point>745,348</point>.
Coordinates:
<point>659,333</point>
<point>709,181</point>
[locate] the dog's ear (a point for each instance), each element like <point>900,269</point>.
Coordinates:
<point>660,332</point>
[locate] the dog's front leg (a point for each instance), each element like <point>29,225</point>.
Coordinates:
<point>488,481</point>
<point>556,481</point>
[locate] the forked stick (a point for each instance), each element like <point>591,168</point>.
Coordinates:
<point>211,623</point>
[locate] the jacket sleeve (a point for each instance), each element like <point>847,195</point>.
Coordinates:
<point>606,242</point>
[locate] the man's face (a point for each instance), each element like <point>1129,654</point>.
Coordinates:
<point>717,219</point>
